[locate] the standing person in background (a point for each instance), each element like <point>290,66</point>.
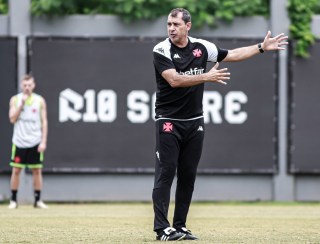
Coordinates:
<point>28,113</point>
<point>180,66</point>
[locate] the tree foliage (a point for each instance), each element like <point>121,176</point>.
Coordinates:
<point>3,6</point>
<point>300,13</point>
<point>317,8</point>
<point>204,12</point>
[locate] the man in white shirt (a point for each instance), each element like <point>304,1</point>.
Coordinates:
<point>28,113</point>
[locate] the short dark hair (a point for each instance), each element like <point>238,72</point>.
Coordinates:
<point>27,77</point>
<point>186,17</point>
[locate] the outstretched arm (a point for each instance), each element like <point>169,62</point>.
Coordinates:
<point>269,44</point>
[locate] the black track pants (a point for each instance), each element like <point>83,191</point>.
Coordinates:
<point>178,149</point>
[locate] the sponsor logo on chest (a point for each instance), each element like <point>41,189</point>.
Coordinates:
<point>191,71</point>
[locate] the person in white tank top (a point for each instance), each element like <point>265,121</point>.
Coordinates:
<point>28,113</point>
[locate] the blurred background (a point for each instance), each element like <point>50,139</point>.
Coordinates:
<point>92,62</point>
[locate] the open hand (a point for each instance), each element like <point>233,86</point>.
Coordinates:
<point>218,75</point>
<point>274,43</point>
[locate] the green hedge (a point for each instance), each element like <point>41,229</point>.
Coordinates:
<point>204,11</point>
<point>148,9</point>
<point>317,8</point>
<point>300,13</point>
<point>3,6</point>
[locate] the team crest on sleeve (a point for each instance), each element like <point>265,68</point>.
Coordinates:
<point>197,53</point>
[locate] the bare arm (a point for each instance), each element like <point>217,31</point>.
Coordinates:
<point>177,80</point>
<point>44,123</point>
<point>14,111</point>
<point>269,44</point>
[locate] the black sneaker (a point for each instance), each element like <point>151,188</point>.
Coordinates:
<point>189,235</point>
<point>170,234</point>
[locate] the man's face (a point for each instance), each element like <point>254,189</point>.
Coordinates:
<point>177,29</point>
<point>27,86</point>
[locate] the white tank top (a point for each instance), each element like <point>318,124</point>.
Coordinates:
<point>27,129</point>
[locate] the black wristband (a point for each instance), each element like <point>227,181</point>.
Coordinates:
<point>260,48</point>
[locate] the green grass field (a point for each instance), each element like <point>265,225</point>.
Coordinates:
<point>132,223</point>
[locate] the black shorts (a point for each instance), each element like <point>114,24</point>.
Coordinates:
<point>26,157</point>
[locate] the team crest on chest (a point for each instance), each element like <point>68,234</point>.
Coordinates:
<point>197,53</point>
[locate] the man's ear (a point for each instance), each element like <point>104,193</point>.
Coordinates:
<point>188,24</point>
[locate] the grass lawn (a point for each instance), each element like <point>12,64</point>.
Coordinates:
<point>132,223</point>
